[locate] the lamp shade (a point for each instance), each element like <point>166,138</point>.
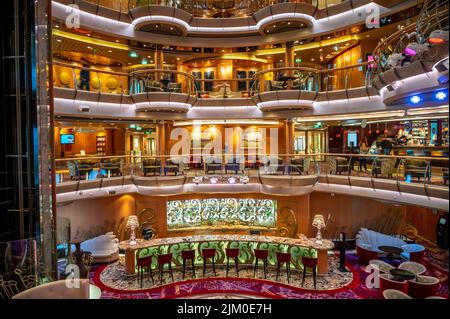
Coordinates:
<point>318,221</point>
<point>132,221</point>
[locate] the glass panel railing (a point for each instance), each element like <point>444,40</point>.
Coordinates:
<point>155,80</point>
<point>85,78</point>
<point>240,168</point>
<point>312,80</point>
<point>225,9</point>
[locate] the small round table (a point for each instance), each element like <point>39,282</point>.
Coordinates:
<point>402,274</point>
<point>391,251</point>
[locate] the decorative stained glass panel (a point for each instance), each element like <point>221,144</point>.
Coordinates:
<point>218,212</point>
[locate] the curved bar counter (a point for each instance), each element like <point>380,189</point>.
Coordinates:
<point>298,247</point>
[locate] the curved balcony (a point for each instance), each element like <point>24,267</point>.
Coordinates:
<point>141,90</point>
<point>191,23</point>
<point>411,52</point>
<point>297,88</point>
<point>418,180</point>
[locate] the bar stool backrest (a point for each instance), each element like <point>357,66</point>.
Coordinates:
<point>165,258</point>
<point>232,252</point>
<point>188,254</point>
<point>261,253</point>
<point>283,257</point>
<point>208,252</point>
<point>309,262</point>
<point>144,261</point>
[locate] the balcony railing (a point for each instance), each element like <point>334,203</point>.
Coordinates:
<point>416,170</point>
<point>312,80</point>
<point>223,9</point>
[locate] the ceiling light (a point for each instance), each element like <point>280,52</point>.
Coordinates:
<point>320,50</point>
<point>89,47</point>
<point>312,59</point>
<point>117,41</point>
<point>289,23</point>
<point>88,34</point>
<point>441,96</point>
<point>58,40</point>
<point>415,99</point>
<point>171,28</point>
<point>109,51</point>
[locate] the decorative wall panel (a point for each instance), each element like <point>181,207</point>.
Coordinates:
<point>221,212</point>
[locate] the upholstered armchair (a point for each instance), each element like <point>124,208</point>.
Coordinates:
<point>299,165</point>
<point>384,167</point>
<point>395,294</point>
<point>415,268</point>
<point>423,287</point>
<point>337,165</point>
<point>115,167</point>
<point>151,165</point>
<point>413,252</point>
<point>417,169</point>
<point>172,167</point>
<point>103,248</point>
<point>213,166</point>
<point>234,166</point>
<point>382,266</point>
<point>386,282</point>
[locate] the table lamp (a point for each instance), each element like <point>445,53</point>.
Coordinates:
<point>132,223</point>
<point>319,223</point>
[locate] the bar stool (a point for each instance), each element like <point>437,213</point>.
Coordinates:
<point>309,263</point>
<point>142,263</point>
<point>232,253</point>
<point>281,259</point>
<point>188,255</point>
<point>261,254</point>
<point>208,253</point>
<point>162,260</point>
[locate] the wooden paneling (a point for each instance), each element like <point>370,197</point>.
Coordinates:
<point>424,220</point>
<point>349,214</point>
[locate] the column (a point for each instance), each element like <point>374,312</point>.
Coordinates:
<point>289,57</point>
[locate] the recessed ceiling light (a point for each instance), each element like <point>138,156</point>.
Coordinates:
<point>171,28</point>
<point>145,45</point>
<point>320,50</point>
<point>151,61</point>
<point>347,44</point>
<point>312,59</point>
<point>281,60</point>
<point>156,26</point>
<point>328,37</point>
<point>289,23</point>
<point>88,34</point>
<point>178,59</point>
<point>57,26</point>
<point>58,40</point>
<point>89,47</point>
<point>269,57</point>
<point>148,56</point>
<point>274,26</point>
<point>109,51</point>
<point>117,41</point>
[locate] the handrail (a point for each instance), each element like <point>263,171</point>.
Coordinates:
<point>68,65</point>
<point>144,71</point>
<point>256,154</point>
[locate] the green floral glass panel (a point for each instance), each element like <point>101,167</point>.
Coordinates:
<point>182,214</point>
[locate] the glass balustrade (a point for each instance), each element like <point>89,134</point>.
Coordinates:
<point>249,167</point>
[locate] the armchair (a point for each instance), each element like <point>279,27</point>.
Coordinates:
<point>103,249</point>
<point>423,287</point>
<point>151,165</point>
<point>83,168</point>
<point>337,165</point>
<point>114,166</point>
<point>384,167</point>
<point>171,167</point>
<point>413,252</point>
<point>299,165</point>
<point>213,166</point>
<point>417,169</point>
<point>416,268</point>
<point>233,166</point>
<point>276,165</point>
<point>386,282</point>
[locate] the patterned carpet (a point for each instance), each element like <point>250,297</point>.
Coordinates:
<point>233,288</point>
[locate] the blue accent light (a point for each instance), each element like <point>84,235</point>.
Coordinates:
<point>415,99</point>
<point>440,96</point>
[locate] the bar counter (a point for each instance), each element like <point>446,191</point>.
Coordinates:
<point>301,246</point>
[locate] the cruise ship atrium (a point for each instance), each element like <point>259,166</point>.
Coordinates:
<point>224,149</point>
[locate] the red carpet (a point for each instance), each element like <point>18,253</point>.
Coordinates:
<point>256,288</point>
